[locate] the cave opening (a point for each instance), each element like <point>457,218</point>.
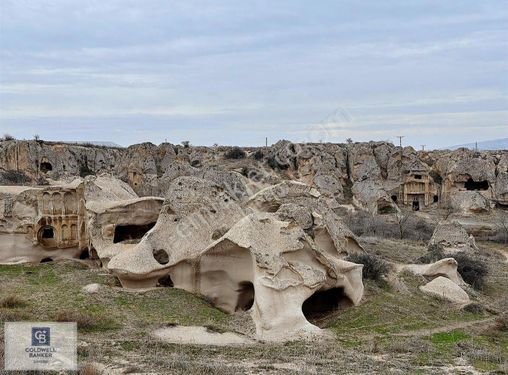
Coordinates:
<point>131,233</point>
<point>436,199</point>
<point>161,256</point>
<point>476,185</point>
<point>45,167</point>
<point>324,303</point>
<point>165,281</point>
<point>394,198</point>
<point>48,232</point>
<point>245,296</point>
<point>416,205</point>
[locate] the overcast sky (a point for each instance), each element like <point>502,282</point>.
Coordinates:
<point>235,72</point>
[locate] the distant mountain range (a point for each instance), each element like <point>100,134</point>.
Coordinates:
<point>494,144</point>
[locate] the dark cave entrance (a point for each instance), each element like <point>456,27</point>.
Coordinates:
<point>245,296</point>
<point>45,167</point>
<point>436,199</point>
<point>48,232</point>
<point>165,281</point>
<point>324,303</point>
<point>476,185</point>
<point>394,198</point>
<point>416,205</point>
<point>131,233</point>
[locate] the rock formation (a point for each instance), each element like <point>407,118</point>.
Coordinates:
<point>275,253</point>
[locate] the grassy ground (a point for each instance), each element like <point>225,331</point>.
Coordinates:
<point>390,332</point>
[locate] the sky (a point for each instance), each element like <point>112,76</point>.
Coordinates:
<point>237,72</point>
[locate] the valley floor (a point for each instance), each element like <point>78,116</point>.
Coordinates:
<point>390,332</point>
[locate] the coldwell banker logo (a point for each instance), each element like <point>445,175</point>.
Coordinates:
<point>41,336</point>
<point>40,346</point>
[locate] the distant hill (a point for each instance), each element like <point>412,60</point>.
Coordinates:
<point>494,144</point>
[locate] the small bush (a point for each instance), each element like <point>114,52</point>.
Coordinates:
<point>502,322</point>
<point>473,308</point>
<point>11,302</point>
<point>235,153</point>
<point>89,369</point>
<point>8,137</point>
<point>374,267</point>
<point>258,155</point>
<point>14,177</point>
<point>473,270</point>
<point>84,321</point>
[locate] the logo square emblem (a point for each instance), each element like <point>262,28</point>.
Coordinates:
<point>41,336</point>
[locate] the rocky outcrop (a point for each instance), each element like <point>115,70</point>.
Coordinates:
<point>375,176</point>
<point>273,254</point>
<point>452,238</point>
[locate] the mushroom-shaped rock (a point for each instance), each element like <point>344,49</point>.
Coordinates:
<point>446,289</point>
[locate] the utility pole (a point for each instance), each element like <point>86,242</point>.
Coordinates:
<point>400,140</point>
<point>266,142</point>
<point>423,147</point>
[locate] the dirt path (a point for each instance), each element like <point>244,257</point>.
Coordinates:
<point>446,328</point>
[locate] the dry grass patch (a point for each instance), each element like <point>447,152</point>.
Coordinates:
<point>89,369</point>
<point>11,302</point>
<point>83,320</point>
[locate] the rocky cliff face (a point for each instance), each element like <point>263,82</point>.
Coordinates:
<point>373,175</point>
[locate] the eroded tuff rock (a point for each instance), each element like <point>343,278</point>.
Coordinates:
<point>100,214</point>
<point>452,238</point>
<point>248,255</point>
<point>444,288</point>
<point>377,176</point>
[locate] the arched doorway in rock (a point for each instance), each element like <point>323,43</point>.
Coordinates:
<point>324,303</point>
<point>245,296</point>
<point>47,236</point>
<point>45,167</point>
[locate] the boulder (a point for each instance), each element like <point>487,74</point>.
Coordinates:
<point>446,289</point>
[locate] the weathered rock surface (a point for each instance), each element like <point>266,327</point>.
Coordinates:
<point>444,288</point>
<point>246,255</point>
<point>452,237</point>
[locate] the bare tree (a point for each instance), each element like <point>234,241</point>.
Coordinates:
<point>402,222</point>
<point>502,225</point>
